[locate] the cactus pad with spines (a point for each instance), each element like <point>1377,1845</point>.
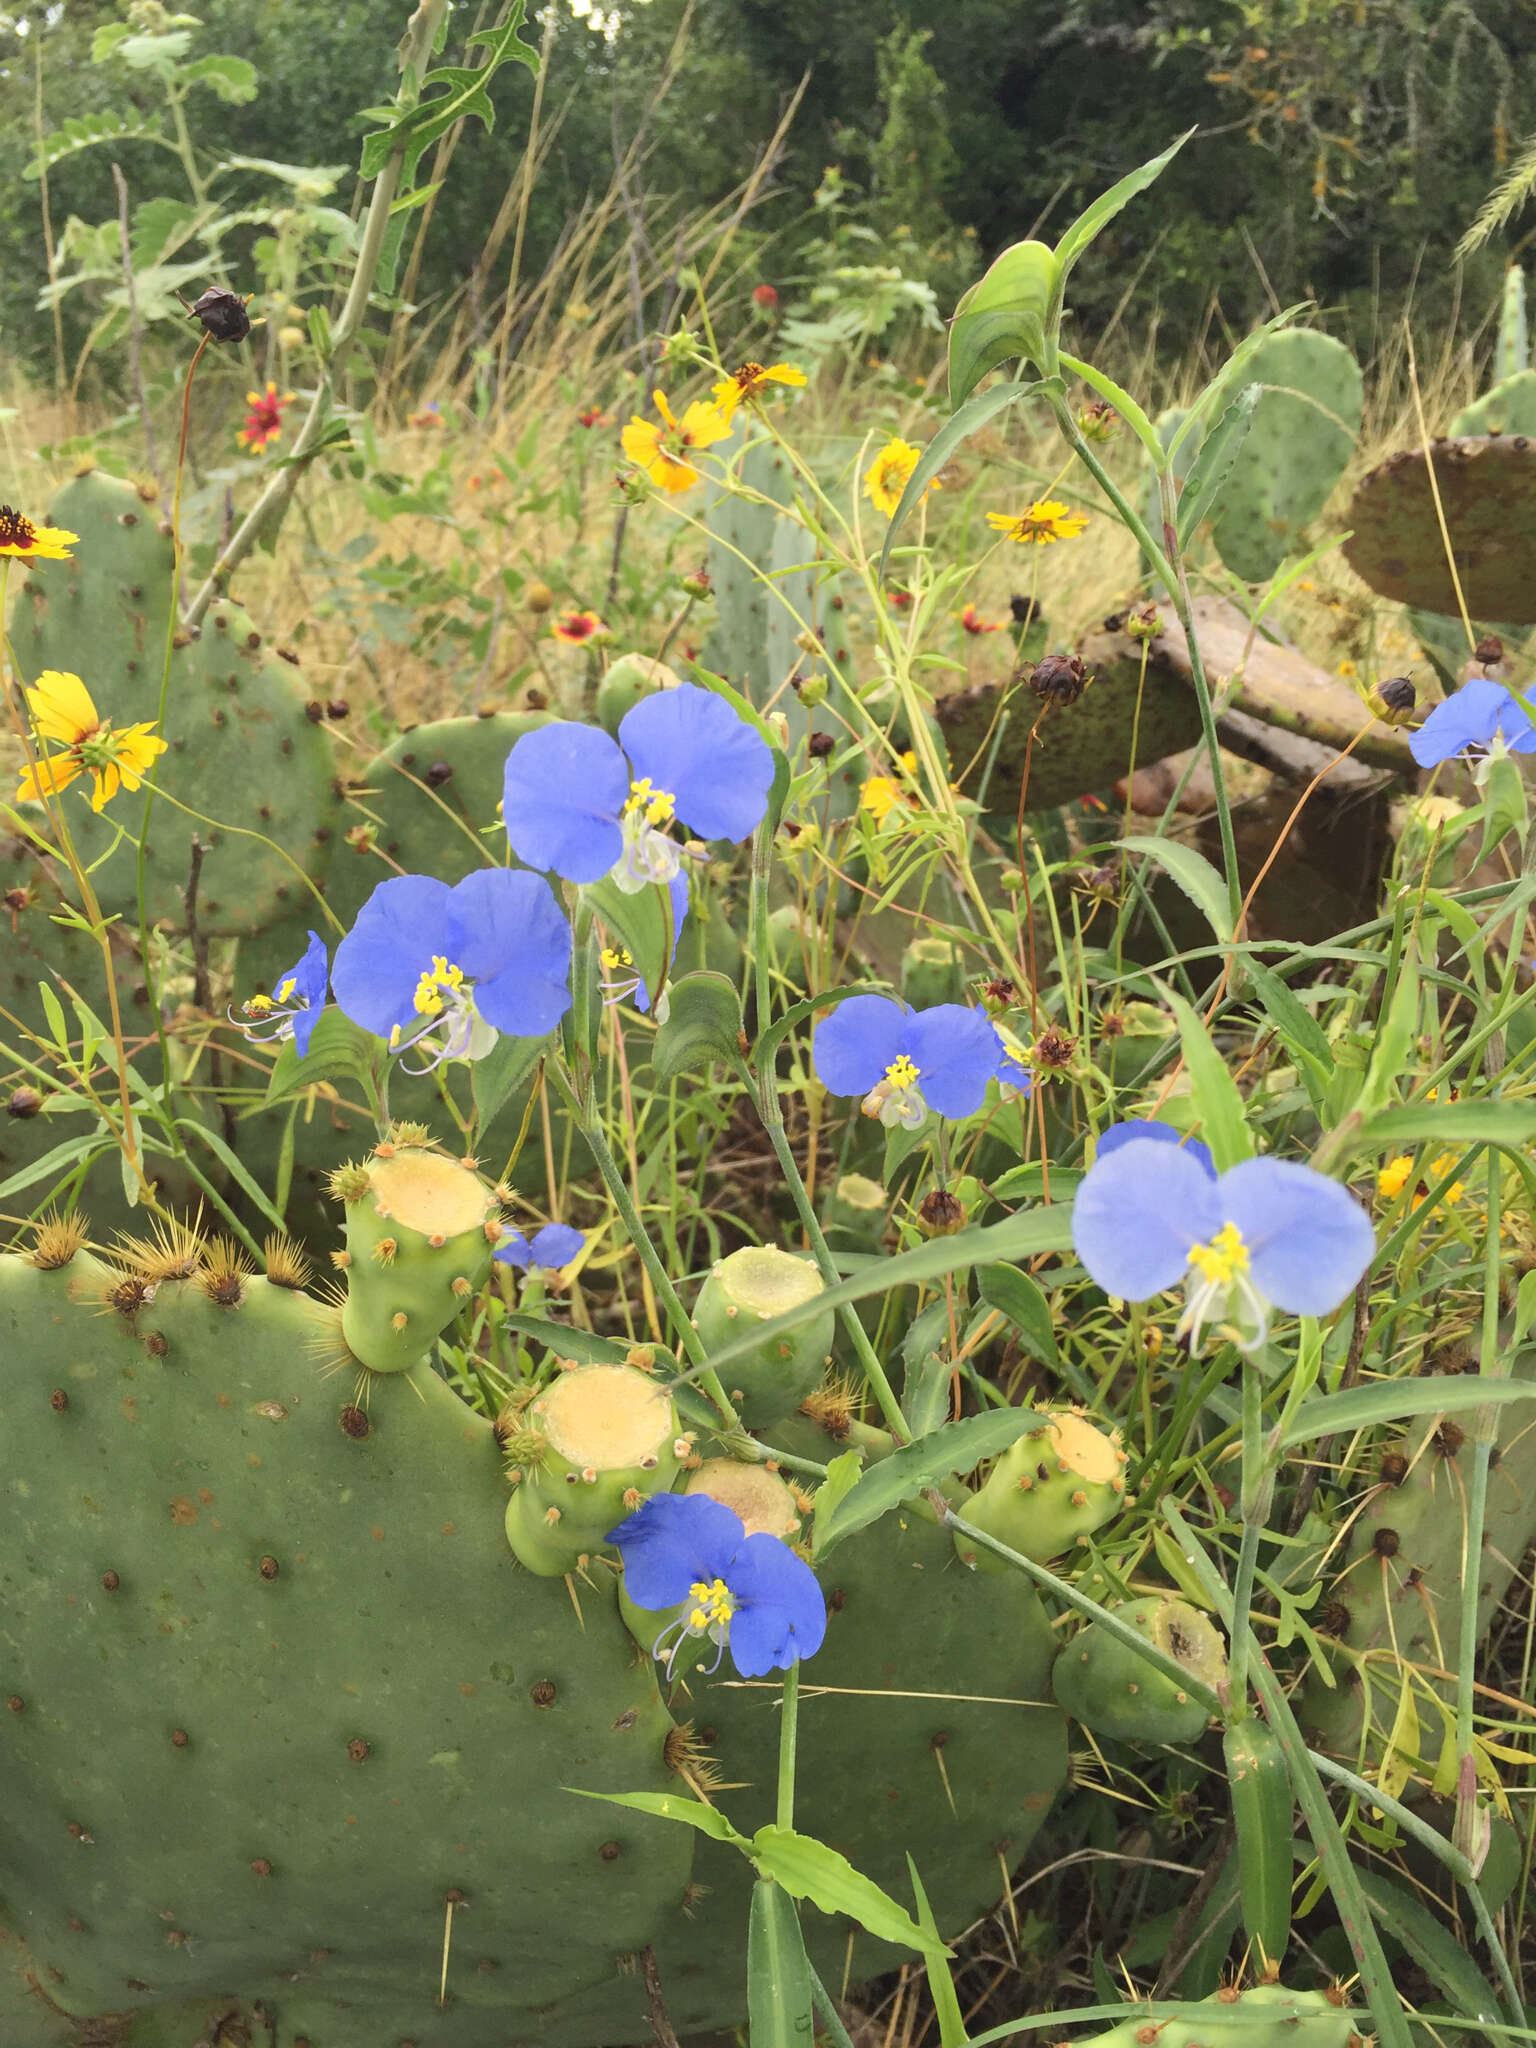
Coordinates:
<point>1048,1491</point>
<point>1487,487</point>
<point>1265,2016</point>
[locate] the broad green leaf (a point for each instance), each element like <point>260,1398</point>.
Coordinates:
<point>1194,875</point>
<point>843,1475</point>
<point>1222,1122</point>
<point>641,924</point>
<point>808,1869</point>
<point>1395,1400</point>
<point>1002,318</point>
<point>941,1985</point>
<point>1029,1183</point>
<point>779,2013</point>
<point>709,1820</point>
<point>233,79</point>
<point>925,1394</point>
<point>564,1340</point>
<point>703,1025</point>
<point>957,1447</point>
<point>1013,1294</point>
<point>339,1050</point>
<point>506,1066</point>
<point>968,419</point>
<point>1213,465</point>
<point>1488,1121</point>
<point>1108,204</point>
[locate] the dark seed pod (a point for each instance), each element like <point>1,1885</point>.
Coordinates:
<point>1059,678</point>
<point>222,313</point>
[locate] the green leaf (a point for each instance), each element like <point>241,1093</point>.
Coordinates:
<point>1395,1400</point>
<point>1123,403</point>
<point>1213,465</point>
<point>1108,204</point>
<point>808,1869</point>
<point>641,924</point>
<point>339,1050</point>
<point>320,332</point>
<point>957,1447</point>
<point>1015,1295</point>
<point>941,1985</point>
<point>54,1011</point>
<point>463,96</point>
<point>1002,318</point>
<point>709,1820</point>
<point>925,1395</point>
<point>564,1340</point>
<point>969,419</point>
<point>1029,1183</point>
<point>1504,804</point>
<point>703,1025</point>
<point>1303,1037</point>
<point>1391,1055</point>
<point>1433,1948</point>
<point>1488,1121</point>
<point>234,1168</point>
<point>233,79</point>
<point>843,1475</point>
<point>85,131</point>
<point>506,1066</point>
<point>70,1153</point>
<point>1222,1122</point>
<point>1194,875</point>
<point>779,2011</point>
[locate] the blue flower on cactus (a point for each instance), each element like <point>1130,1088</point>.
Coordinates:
<point>906,1062</point>
<point>293,1008</point>
<point>749,1593</point>
<point>1266,1232</point>
<point>584,805</point>
<point>1160,1134</point>
<point>549,1249</point>
<point>620,976</point>
<point>1012,1071</point>
<point>1481,719</point>
<point>443,971</point>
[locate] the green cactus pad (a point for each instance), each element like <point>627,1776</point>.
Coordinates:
<point>1101,1682</point>
<point>583,1452</point>
<point>1487,488</point>
<point>1048,1491</point>
<point>1264,2017</point>
<point>1509,408</point>
<point>750,1286</point>
<point>932,971</point>
<point>631,678</point>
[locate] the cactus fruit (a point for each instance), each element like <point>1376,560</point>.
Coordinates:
<point>420,1232</point>
<point>628,680</point>
<point>582,1453</point>
<point>1050,1489</point>
<point>854,1214</point>
<point>932,971</point>
<point>1265,2016</point>
<point>1487,489</point>
<point>761,1499</point>
<point>750,1286</point>
<point>1101,1681</point>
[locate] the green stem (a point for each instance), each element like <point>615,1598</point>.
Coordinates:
<point>1257,1492</point>
<point>789,1721</point>
<point>1495,1365</point>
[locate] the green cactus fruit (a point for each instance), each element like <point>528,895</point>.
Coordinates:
<point>630,678</point>
<point>253,772</point>
<point>1509,408</point>
<point>582,1453</point>
<point>1101,1682</point>
<point>273,1697</point>
<point>752,1286</point>
<point>1049,1490</point>
<point>1298,445</point>
<point>1266,2016</point>
<point>854,1215</point>
<point>420,1232</point>
<point>932,971</point>
<point>1487,489</point>
<point>1512,353</point>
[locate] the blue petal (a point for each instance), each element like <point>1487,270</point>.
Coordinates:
<point>955,1052</point>
<point>853,1047</point>
<point>510,936</point>
<point>1138,1212</point>
<point>1468,718</point>
<point>691,743</point>
<point>1010,1068</point>
<point>562,793</point>
<point>677,889</point>
<point>514,1250</point>
<point>556,1245</point>
<point>781,1611</point>
<point>380,962</point>
<point>1515,727</point>
<point>674,1541</point>
<point>1308,1239</point>
<point>1167,1134</point>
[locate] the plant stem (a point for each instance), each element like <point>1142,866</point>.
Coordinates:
<point>789,1717</point>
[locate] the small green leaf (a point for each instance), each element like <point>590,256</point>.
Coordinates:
<point>233,79</point>
<point>506,1066</point>
<point>1395,1400</point>
<point>1489,1121</point>
<point>1504,804</point>
<point>1108,204</point>
<point>941,1984</point>
<point>969,419</point>
<point>957,1447</point>
<point>709,1820</point>
<point>320,332</point>
<point>1222,1122</point>
<point>1391,1055</point>
<point>1303,1037</point>
<point>339,1050</point>
<point>779,2013</point>
<point>1002,318</point>
<point>703,1025</point>
<point>808,1869</point>
<point>1194,875</point>
<point>1213,465</point>
<point>1015,1295</point>
<point>843,1475</point>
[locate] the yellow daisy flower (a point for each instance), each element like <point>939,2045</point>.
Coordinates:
<point>886,477</point>
<point>750,381</point>
<point>1393,1177</point>
<point>62,710</point>
<point>663,451</point>
<point>30,543</point>
<point>1039,524</point>
<point>882,793</point>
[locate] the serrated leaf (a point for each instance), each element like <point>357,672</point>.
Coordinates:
<point>703,1025</point>
<point>957,1447</point>
<point>968,419</point>
<point>808,1869</point>
<point>1002,318</point>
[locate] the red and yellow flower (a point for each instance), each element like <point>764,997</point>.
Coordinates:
<point>751,380</point>
<point>264,421</point>
<point>577,628</point>
<point>62,711</point>
<point>973,622</point>
<point>665,452</point>
<point>25,541</point>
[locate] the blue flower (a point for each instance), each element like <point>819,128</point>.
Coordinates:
<point>1012,1071</point>
<point>446,970</point>
<point>1166,1134</point>
<point>1267,1231</point>
<point>906,1062</point>
<point>1482,717</point>
<point>687,1551</point>
<point>618,963</point>
<point>293,1008</point>
<point>552,1247</point>
<point>574,804</point>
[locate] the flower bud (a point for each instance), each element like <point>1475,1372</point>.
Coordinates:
<point>1059,678</point>
<point>1489,650</point>
<point>697,584</point>
<point>1394,700</point>
<point>998,996</point>
<point>812,690</point>
<point>24,1102</point>
<point>766,297</point>
<point>1145,624</point>
<point>1097,421</point>
<point>1011,879</point>
<point>819,745</point>
<point>683,347</point>
<point>939,1214</point>
<point>222,314</point>
<point>632,485</point>
<point>538,597</point>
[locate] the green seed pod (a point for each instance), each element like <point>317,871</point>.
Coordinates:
<point>583,1453</point>
<point>854,1215</point>
<point>753,1286</point>
<point>631,677</point>
<point>420,1231</point>
<point>1047,1491</point>
<point>932,971</point>
<point>1105,1685</point>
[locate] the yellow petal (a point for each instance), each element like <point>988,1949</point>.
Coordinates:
<point>784,373</point>
<point>670,474</point>
<point>640,441</point>
<point>704,424</point>
<point>47,778</point>
<point>138,748</point>
<point>61,707</point>
<point>106,782</point>
<point>664,409</point>
<point>727,396</point>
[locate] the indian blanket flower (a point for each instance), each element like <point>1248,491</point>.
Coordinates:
<point>582,804</point>
<point>549,1249</point>
<point>766,296</point>
<point>973,622</point>
<point>577,628</point>
<point>1482,719</point>
<point>1160,1134</point>
<point>886,477</point>
<point>26,541</point>
<point>431,415</point>
<point>293,1008</point>
<point>264,421</point>
<point>1265,1233</point>
<point>444,971</point>
<point>592,416</point>
<point>905,1062</point>
<point>1039,524</point>
<point>748,1594</point>
<point>62,710</point>
<point>751,380</point>
<point>665,452</point>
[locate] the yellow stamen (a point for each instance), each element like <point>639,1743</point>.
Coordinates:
<point>1223,1258</point>
<point>659,805</point>
<point>429,990</point>
<point>712,1605</point>
<point>901,1073</point>
<point>287,988</point>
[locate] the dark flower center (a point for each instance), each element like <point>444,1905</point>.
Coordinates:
<point>16,531</point>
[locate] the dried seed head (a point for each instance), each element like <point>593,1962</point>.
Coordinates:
<point>24,1102</point>
<point>941,1214</point>
<point>1059,678</point>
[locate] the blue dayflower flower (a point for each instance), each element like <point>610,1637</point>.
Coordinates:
<point>550,1248</point>
<point>1012,1071</point>
<point>1160,1133</point>
<point>906,1062</point>
<point>584,805</point>
<point>749,1593</point>
<point>293,1008</point>
<point>445,971</point>
<point>1481,718</point>
<point>1266,1232</point>
<point>618,963</point>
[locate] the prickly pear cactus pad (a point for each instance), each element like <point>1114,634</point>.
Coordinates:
<point>1487,487</point>
<point>243,756</point>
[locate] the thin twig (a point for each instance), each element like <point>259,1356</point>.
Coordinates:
<point>661,2026</point>
<point>136,332</point>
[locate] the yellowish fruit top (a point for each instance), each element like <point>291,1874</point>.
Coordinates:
<point>424,1191</point>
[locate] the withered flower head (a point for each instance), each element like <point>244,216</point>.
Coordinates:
<point>1059,678</point>
<point>222,313</point>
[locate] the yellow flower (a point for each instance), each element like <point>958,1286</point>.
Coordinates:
<point>881,793</point>
<point>1393,1177</point>
<point>29,543</point>
<point>663,451</point>
<point>750,381</point>
<point>62,710</point>
<point>886,477</point>
<point>1039,524</point>
<point>1439,1168</point>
